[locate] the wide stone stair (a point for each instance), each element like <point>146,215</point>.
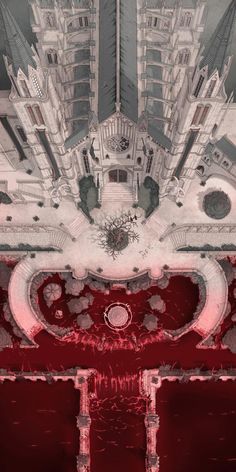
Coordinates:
<point>117,193</point>
<point>58,239</point>
<point>77,226</point>
<point>178,239</point>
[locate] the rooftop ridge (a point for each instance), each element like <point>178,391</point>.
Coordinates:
<point>15,45</point>
<point>217,49</point>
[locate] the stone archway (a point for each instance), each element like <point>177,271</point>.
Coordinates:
<point>118,176</point>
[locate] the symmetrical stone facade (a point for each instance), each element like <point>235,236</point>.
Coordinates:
<point>138,98</point>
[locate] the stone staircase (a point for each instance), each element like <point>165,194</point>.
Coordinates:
<point>178,239</point>
<point>77,226</point>
<point>58,238</point>
<point>18,296</point>
<point>117,193</point>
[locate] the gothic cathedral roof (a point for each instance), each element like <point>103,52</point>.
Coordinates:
<point>217,49</point>
<point>13,43</point>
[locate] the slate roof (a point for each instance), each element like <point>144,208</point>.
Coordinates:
<point>154,72</point>
<point>154,93</point>
<point>153,55</point>
<point>13,43</point>
<point>217,49</point>
<point>157,134</point>
<point>108,54</point>
<point>107,59</point>
<point>128,59</point>
<point>80,133</point>
<point>155,108</point>
<point>227,147</point>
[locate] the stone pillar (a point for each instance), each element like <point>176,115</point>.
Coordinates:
<point>83,423</point>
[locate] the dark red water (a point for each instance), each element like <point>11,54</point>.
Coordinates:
<point>118,436</point>
<point>197,426</point>
<point>117,410</point>
<point>179,311</point>
<point>38,426</point>
<point>228,323</point>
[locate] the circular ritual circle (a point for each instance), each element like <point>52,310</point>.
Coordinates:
<point>117,239</point>
<point>118,316</point>
<point>217,204</point>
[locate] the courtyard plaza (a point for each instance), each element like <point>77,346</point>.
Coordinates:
<point>81,253</point>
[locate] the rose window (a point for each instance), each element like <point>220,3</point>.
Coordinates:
<point>117,143</point>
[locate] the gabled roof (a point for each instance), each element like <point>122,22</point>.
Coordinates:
<point>109,87</point>
<point>13,43</point>
<point>128,59</point>
<point>107,59</point>
<point>217,49</point>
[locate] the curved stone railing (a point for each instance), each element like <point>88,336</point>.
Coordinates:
<point>215,307</point>
<point>18,293</point>
<point>192,235</point>
<point>216,300</point>
<point>32,236</point>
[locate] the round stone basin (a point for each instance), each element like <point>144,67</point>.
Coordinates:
<point>118,316</point>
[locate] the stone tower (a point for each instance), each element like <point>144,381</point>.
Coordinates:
<point>200,107</point>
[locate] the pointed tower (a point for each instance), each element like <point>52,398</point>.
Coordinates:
<point>15,47</point>
<point>37,105</point>
<point>217,51</point>
<point>200,105</point>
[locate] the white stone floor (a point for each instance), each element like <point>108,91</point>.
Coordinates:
<point>148,254</point>
<point>191,211</point>
<point>167,213</point>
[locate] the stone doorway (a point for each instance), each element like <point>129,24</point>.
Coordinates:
<point>118,176</point>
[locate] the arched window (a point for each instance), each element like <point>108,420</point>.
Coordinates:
<point>186,20</point>
<point>78,23</point>
<point>149,164</point>
<point>15,85</point>
<point>200,115</point>
<point>214,129</point>
<point>204,114</point>
<point>153,22</point>
<point>52,57</point>
<point>184,57</point>
<point>25,89</point>
<point>201,170</point>
<point>199,86</point>
<point>31,115</point>
<point>86,164</point>
<point>211,88</point>
<point>21,133</point>
<point>83,21</point>
<point>149,21</point>
<point>35,115</point>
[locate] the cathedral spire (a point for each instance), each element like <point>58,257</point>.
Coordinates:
<point>13,43</point>
<point>217,49</point>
